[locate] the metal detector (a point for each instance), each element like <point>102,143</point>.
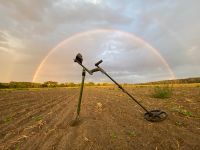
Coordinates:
<point>152,115</point>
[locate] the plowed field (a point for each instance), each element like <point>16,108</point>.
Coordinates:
<point>39,120</point>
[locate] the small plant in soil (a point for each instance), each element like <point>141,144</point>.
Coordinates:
<point>183,112</point>
<point>162,92</point>
<point>37,118</point>
<point>7,119</point>
<point>180,124</point>
<point>130,133</point>
<point>113,135</point>
<point>17,148</point>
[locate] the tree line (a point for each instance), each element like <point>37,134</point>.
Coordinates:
<point>176,81</point>
<point>52,84</point>
<point>47,84</point>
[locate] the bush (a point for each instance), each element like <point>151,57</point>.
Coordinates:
<point>71,84</point>
<point>4,85</point>
<point>50,84</point>
<point>162,92</point>
<point>105,84</point>
<point>90,84</point>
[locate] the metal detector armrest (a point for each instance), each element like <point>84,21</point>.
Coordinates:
<point>98,62</point>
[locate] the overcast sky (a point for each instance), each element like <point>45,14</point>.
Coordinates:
<point>122,33</point>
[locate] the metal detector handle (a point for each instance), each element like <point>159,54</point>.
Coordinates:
<point>83,67</point>
<point>98,62</point>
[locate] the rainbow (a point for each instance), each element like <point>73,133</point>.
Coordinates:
<point>96,31</point>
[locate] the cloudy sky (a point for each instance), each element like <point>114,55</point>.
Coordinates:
<point>138,40</point>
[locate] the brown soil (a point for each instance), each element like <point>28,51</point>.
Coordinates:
<point>110,120</point>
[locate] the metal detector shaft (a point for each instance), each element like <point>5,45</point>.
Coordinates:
<point>81,93</point>
<point>122,88</point>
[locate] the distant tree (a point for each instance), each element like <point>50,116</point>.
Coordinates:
<point>90,84</point>
<point>78,84</point>
<point>13,84</point>
<point>98,84</point>
<point>4,85</point>
<point>50,84</point>
<point>36,85</point>
<point>105,84</point>
<point>62,85</point>
<point>71,84</point>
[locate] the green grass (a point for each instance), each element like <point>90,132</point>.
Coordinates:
<point>7,119</point>
<point>180,124</point>
<point>130,133</point>
<point>183,111</point>
<point>17,147</point>
<point>162,92</point>
<point>113,135</point>
<point>37,118</point>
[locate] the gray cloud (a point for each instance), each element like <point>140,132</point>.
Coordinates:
<point>29,29</point>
